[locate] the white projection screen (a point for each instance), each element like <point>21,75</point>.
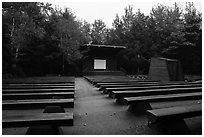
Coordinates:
<point>99,64</point>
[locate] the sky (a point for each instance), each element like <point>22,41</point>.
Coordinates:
<point>106,10</point>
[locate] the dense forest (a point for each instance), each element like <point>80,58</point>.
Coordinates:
<point>38,39</point>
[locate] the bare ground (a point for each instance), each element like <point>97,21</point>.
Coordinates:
<point>97,114</point>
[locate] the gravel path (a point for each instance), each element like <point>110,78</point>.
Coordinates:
<point>96,114</point>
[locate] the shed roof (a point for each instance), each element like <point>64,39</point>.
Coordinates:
<point>104,46</point>
<point>167,59</point>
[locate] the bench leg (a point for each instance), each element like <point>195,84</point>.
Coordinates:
<point>120,101</point>
<point>105,91</point>
<point>148,123</point>
<point>171,127</point>
<point>176,127</point>
<point>42,130</point>
<point>47,129</point>
<point>139,108</point>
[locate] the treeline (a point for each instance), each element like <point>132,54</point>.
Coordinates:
<point>39,40</point>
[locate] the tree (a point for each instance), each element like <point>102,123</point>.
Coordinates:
<point>86,31</point>
<point>39,34</point>
<point>98,32</point>
<point>167,21</point>
<point>23,21</point>
<point>186,42</point>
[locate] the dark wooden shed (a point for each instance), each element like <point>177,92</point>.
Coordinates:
<point>100,58</point>
<point>164,69</point>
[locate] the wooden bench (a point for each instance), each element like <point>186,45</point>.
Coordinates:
<point>108,90</point>
<point>126,82</point>
<point>161,98</point>
<point>172,113</point>
<point>111,84</point>
<point>172,119</point>
<point>103,87</point>
<point>141,108</point>
<point>39,84</point>
<point>105,83</point>
<point>121,94</point>
<point>139,104</point>
<point>25,120</point>
<point>167,104</point>
<point>119,80</point>
<point>48,95</point>
<point>144,83</point>
<point>35,87</point>
<point>36,103</point>
<point>122,81</point>
<point>37,90</point>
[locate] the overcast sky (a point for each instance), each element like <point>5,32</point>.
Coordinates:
<point>107,9</point>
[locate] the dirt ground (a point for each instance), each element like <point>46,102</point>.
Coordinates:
<point>95,114</point>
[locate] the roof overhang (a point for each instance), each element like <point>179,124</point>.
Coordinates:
<point>105,46</point>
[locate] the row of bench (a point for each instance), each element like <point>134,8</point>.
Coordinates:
<point>52,97</point>
<point>179,100</point>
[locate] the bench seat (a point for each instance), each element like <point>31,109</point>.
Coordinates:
<point>103,87</point>
<point>141,108</point>
<point>95,82</point>
<point>36,103</point>
<point>163,98</point>
<point>167,104</point>
<point>121,94</point>
<point>47,95</point>
<point>39,84</point>
<point>174,113</point>
<point>36,87</point>
<point>108,90</point>
<point>37,90</point>
<point>111,84</point>
<point>25,120</point>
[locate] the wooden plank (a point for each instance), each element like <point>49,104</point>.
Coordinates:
<point>112,83</point>
<point>122,81</point>
<point>48,95</point>
<point>148,83</point>
<point>121,94</point>
<point>126,82</point>
<point>163,98</point>
<point>174,113</point>
<point>38,90</point>
<point>142,107</point>
<point>25,120</point>
<point>39,84</point>
<point>35,87</point>
<point>103,87</point>
<point>44,79</point>
<point>109,84</point>
<point>36,103</point>
<point>108,90</point>
<point>167,104</point>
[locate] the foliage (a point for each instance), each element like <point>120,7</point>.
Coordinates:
<point>166,32</point>
<point>185,43</point>
<point>98,32</point>
<point>38,39</point>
